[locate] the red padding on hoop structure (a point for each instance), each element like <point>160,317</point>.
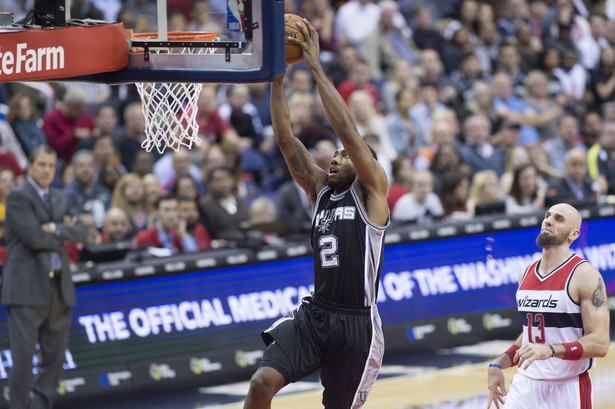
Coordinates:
<point>55,53</point>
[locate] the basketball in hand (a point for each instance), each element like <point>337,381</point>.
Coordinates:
<point>294,53</point>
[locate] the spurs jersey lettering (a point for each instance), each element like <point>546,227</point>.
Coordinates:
<point>347,250</point>
<point>550,316</point>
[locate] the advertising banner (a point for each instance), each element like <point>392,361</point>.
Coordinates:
<point>52,53</point>
<point>202,327</point>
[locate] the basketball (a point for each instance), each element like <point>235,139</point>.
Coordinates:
<point>294,53</point>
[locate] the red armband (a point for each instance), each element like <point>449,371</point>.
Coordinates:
<point>511,353</point>
<point>574,351</point>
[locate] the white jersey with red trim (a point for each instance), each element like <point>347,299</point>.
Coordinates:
<point>550,316</point>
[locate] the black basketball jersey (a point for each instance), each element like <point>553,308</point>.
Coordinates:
<point>347,248</point>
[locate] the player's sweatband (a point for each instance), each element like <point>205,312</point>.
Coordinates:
<point>511,353</point>
<point>574,351</point>
<point>495,365</point>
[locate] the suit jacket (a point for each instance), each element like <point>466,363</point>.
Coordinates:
<point>560,188</point>
<point>290,207</point>
<point>477,162</point>
<point>25,279</point>
<point>220,224</point>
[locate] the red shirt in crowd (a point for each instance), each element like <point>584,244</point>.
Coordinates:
<point>395,192</point>
<point>150,238</point>
<point>213,126</point>
<point>347,87</point>
<point>202,237</point>
<point>59,131</point>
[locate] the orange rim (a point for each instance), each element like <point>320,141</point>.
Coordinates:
<point>176,36</point>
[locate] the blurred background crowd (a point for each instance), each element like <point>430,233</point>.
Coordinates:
<point>473,107</point>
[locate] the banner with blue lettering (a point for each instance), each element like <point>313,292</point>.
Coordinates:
<point>206,324</point>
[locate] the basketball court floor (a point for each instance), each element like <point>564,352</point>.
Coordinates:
<point>446,379</point>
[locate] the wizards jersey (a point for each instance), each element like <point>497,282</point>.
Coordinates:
<point>549,317</point>
<point>347,250</point>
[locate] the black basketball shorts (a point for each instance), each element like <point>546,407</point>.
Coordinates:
<point>346,343</point>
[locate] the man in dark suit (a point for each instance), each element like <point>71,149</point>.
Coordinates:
<point>223,208</point>
<point>477,151</point>
<point>293,206</point>
<point>576,185</point>
<point>36,285</point>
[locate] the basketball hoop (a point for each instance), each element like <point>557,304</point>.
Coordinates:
<point>170,108</point>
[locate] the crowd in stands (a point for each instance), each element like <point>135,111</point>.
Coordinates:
<point>472,106</point>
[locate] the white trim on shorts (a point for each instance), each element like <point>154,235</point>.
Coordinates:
<point>372,363</point>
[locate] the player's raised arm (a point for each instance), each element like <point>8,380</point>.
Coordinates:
<point>302,168</point>
<point>370,174</point>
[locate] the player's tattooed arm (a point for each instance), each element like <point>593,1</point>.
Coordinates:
<point>598,296</point>
<point>301,160</point>
<point>309,176</point>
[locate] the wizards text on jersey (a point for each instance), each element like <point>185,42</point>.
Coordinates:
<point>545,303</point>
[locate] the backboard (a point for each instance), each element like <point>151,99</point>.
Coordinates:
<point>249,46</point>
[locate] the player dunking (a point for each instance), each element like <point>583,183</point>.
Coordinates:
<point>337,329</point>
<point>562,302</point>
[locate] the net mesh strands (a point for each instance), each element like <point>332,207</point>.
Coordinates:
<point>171,108</point>
<point>170,111</point>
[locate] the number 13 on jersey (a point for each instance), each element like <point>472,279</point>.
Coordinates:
<point>535,328</point>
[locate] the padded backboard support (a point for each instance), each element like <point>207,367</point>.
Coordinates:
<point>258,57</point>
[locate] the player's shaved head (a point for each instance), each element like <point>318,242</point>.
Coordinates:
<point>570,213</point>
<point>560,214</point>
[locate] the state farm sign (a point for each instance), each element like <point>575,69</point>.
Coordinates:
<point>56,53</point>
<point>29,60</point>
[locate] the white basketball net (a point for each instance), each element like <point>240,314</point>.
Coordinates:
<point>171,110</point>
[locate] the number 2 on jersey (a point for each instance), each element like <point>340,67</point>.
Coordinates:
<point>539,320</point>
<point>328,251</point>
